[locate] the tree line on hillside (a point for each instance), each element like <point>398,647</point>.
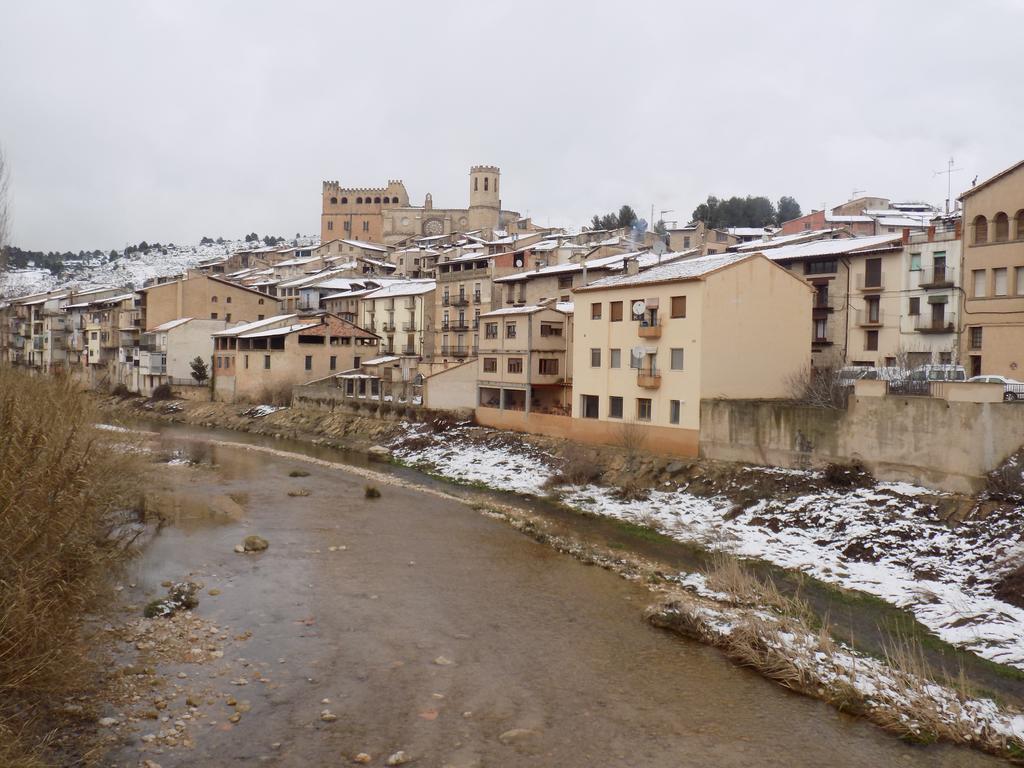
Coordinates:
<point>746,211</point>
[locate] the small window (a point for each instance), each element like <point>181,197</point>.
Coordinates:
<point>359,201</point>
<point>366,226</point>
<point>915,306</point>
<point>344,201</point>
<point>334,362</point>
<point>643,409</point>
<point>976,337</point>
<point>510,330</point>
<point>915,262</point>
<point>614,358</point>
<point>1002,227</point>
<point>515,365</point>
<point>309,362</point>
<point>334,201</point>
<point>490,365</point>
<point>677,359</point>
<point>266,362</point>
<point>980,230</point>
<point>213,299</point>
<point>330,226</point>
<point>678,306</point>
<point>260,302</point>
<point>227,317</point>
<point>614,407</point>
<point>615,311</point>
<point>259,317</point>
<point>673,411</point>
<point>247,362</point>
<point>588,406</point>
<point>595,357</point>
<point>595,311</point>
<point>999,281</point>
<point>213,315</point>
<point>871,341</point>
<point>227,299</point>
<point>548,366</point>
<point>978,276</point>
<point>490,330</point>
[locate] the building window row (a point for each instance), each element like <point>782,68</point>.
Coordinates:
<point>676,359</point>
<point>997,284</point>
<point>644,408</point>
<point>1000,228</point>
<point>362,200</point>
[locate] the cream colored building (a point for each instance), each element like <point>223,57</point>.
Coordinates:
<point>993,275</point>
<point>203,296</point>
<point>402,314</point>
<point>258,360</point>
<point>385,215</point>
<point>525,359</point>
<point>649,346</point>
<point>166,352</point>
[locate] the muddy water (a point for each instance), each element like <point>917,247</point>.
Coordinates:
<point>550,661</point>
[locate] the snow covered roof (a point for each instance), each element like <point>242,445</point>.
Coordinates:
<point>406,288</point>
<point>837,247</point>
<point>566,307</point>
<point>685,269</point>
<point>366,246</point>
<point>170,324</point>
<point>810,234</point>
<point>381,360</point>
<point>353,294</point>
<point>247,327</point>
<point>297,262</point>
<point>526,310</point>
<point>902,221</point>
<point>279,331</point>
<point>378,263</point>
<point>846,219</point>
<point>749,231</point>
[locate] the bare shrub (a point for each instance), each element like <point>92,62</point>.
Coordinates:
<point>846,475</point>
<point>818,387</point>
<point>162,392</point>
<point>632,437</point>
<point>442,422</point>
<point>122,391</point>
<point>280,394</point>
<point>67,498</point>
<point>578,468</point>
<point>372,492</point>
<point>1006,482</point>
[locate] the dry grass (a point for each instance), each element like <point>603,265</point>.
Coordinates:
<point>279,395</point>
<point>299,492</point>
<point>66,499</point>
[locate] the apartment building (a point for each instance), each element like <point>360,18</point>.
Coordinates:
<point>402,314</point>
<point>112,328</point>
<point>649,346</point>
<point>166,352</point>
<point>525,359</point>
<point>993,258</point>
<point>255,360</point>
<point>203,296</point>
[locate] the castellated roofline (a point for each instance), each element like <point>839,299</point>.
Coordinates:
<point>334,186</point>
<point>485,169</point>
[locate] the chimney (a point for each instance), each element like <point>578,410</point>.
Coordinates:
<point>632,265</point>
<point>931,233</point>
<point>584,270</point>
<point>906,235</point>
<point>958,228</point>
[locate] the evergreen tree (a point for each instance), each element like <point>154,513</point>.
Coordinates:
<point>199,370</point>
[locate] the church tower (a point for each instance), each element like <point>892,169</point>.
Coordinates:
<point>484,197</point>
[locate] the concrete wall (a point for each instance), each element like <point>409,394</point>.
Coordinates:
<point>928,440</point>
<point>662,440</point>
<point>451,390</point>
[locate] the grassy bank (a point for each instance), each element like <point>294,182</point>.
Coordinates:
<point>66,491</point>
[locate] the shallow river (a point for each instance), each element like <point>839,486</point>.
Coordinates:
<point>540,645</point>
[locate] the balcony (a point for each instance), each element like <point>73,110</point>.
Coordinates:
<point>647,330</point>
<point>388,327</point>
<point>872,284</point>
<point>924,324</point>
<point>476,297</point>
<point>648,378</point>
<point>458,351</point>
<point>409,327</point>
<point>37,343</point>
<point>937,277</point>
<point>409,350</point>
<point>446,301</point>
<point>460,301</point>
<point>867,319</point>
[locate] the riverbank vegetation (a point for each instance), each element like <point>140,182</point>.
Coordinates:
<point>67,491</point>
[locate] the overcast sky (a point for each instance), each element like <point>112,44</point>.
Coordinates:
<point>167,121</point>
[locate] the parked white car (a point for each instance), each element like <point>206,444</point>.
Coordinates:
<point>1012,389</point>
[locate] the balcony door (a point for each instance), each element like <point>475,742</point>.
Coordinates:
<point>938,313</point>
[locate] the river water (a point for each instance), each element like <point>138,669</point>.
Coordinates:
<point>446,634</point>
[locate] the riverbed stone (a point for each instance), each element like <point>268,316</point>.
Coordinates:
<point>515,735</point>
<point>255,543</point>
<point>378,453</point>
<point>398,758</point>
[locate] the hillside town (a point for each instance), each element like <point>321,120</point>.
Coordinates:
<point>479,309</point>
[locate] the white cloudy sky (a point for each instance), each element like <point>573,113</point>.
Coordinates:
<point>167,121</point>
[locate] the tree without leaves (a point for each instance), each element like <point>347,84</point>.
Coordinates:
<point>5,209</point>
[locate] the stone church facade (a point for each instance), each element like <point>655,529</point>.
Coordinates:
<point>384,214</point>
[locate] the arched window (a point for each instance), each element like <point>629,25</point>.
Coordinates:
<point>485,183</point>
<point>376,199</point>
<point>344,201</point>
<point>213,299</point>
<point>980,230</point>
<point>359,200</point>
<point>334,201</point>
<point>1020,224</point>
<point>387,199</point>
<point>1002,222</point>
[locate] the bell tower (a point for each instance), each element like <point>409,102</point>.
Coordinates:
<point>484,197</point>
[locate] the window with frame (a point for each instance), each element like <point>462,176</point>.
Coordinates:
<point>678,306</point>
<point>588,406</point>
<point>915,306</point>
<point>227,299</point>
<point>490,365</point>
<point>266,362</point>
<point>550,329</point>
<point>1019,280</point>
<point>614,358</point>
<point>547,366</point>
<point>677,359</point>
<point>334,362</point>
<point>510,330</point>
<point>490,330</point>
<point>674,410</point>
<point>614,407</point>
<point>821,329</point>
<point>309,362</point>
<point>643,409</point>
<point>871,341</point>
<point>915,262</point>
<point>821,267</point>
<point>213,315</point>
<point>213,299</point>
<point>999,281</point>
<point>615,311</point>
<point>565,281</point>
<point>975,337</point>
<point>515,365</point>
<point>595,357</point>
<point>978,283</point>
<point>595,311</point>
<point>246,362</point>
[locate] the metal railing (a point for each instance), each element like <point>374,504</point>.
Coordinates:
<point>928,324</point>
<point>870,284</point>
<point>937,277</point>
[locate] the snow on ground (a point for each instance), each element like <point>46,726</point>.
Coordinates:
<point>883,540</point>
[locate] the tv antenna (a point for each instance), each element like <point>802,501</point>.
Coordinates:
<point>950,170</point>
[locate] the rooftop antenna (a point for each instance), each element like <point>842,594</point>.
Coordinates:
<point>853,195</point>
<point>950,170</point>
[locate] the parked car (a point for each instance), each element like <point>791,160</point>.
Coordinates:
<point>1012,389</point>
<point>919,380</point>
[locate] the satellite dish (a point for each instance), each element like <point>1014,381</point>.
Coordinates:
<point>637,353</point>
<point>639,307</point>
<point>518,261</point>
<point>659,246</point>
